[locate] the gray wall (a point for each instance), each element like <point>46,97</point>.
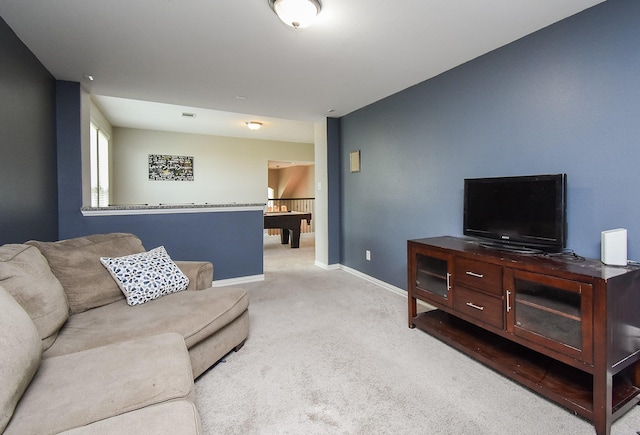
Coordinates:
<point>28,189</point>
<point>565,99</point>
<point>334,187</point>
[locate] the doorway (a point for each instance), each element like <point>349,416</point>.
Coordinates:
<point>290,188</point>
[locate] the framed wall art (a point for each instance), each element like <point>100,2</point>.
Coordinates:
<point>164,167</point>
<point>354,161</point>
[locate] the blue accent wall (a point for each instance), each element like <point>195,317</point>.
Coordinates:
<point>28,188</point>
<point>69,138</point>
<point>232,241</point>
<point>334,186</point>
<point>565,99</point>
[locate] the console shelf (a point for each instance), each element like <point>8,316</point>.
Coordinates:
<point>564,384</point>
<point>564,329</point>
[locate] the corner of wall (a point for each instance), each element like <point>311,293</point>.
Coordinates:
<point>321,192</point>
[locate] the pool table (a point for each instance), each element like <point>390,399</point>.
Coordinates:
<point>287,221</point>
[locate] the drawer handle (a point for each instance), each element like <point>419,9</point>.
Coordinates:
<point>477,307</point>
<point>476,275</point>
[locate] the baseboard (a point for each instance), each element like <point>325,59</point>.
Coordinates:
<point>238,281</point>
<point>327,266</point>
<point>385,285</point>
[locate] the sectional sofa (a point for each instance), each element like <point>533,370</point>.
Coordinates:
<point>83,350</point>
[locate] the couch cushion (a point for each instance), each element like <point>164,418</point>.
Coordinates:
<point>20,351</point>
<point>193,314</point>
<point>146,276</point>
<point>175,418</point>
<point>76,263</point>
<point>25,273</point>
<point>84,387</point>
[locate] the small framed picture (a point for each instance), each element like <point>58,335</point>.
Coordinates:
<point>354,161</point>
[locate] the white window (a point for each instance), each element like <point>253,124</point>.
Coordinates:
<point>99,167</point>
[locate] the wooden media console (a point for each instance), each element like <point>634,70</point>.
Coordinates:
<point>564,326</point>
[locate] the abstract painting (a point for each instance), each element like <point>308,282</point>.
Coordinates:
<point>163,167</point>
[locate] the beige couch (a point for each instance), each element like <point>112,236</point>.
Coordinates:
<point>76,358</point>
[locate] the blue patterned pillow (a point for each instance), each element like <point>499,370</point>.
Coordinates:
<point>146,276</point>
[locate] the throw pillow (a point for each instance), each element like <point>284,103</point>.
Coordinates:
<point>146,276</point>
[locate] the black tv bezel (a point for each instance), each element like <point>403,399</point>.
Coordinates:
<point>557,244</point>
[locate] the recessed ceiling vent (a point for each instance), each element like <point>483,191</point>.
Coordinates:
<point>188,115</point>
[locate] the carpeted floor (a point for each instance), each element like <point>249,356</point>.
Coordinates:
<point>331,353</point>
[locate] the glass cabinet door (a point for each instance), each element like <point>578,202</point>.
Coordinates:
<point>433,276</point>
<point>553,312</point>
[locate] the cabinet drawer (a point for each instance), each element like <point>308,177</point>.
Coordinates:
<point>480,275</point>
<point>480,306</point>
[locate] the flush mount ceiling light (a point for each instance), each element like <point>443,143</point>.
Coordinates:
<point>253,125</point>
<point>296,13</point>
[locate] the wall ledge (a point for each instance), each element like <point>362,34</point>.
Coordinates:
<point>121,210</point>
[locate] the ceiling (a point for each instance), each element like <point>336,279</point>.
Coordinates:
<point>125,112</point>
<point>233,61</point>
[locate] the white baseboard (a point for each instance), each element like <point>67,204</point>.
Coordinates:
<point>238,281</point>
<point>327,266</point>
<point>385,285</point>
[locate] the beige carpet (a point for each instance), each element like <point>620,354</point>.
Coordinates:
<point>331,353</point>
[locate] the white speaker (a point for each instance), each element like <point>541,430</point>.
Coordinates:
<point>614,247</point>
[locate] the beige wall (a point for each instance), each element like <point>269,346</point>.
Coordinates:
<point>226,170</point>
<point>293,182</point>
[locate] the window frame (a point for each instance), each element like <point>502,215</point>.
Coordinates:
<point>100,149</point>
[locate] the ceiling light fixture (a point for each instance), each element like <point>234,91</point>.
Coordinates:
<point>253,125</point>
<point>296,13</point>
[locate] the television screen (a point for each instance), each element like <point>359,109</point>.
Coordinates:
<point>526,211</point>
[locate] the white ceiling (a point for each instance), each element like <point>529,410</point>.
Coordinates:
<point>214,56</point>
<point>125,112</point>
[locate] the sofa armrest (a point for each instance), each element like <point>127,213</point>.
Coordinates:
<point>200,273</point>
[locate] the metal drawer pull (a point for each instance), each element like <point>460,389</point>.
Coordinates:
<point>477,275</point>
<point>477,307</point>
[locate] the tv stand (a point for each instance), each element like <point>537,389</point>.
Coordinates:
<point>567,330</point>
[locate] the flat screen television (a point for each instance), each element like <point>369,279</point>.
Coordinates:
<point>519,213</point>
